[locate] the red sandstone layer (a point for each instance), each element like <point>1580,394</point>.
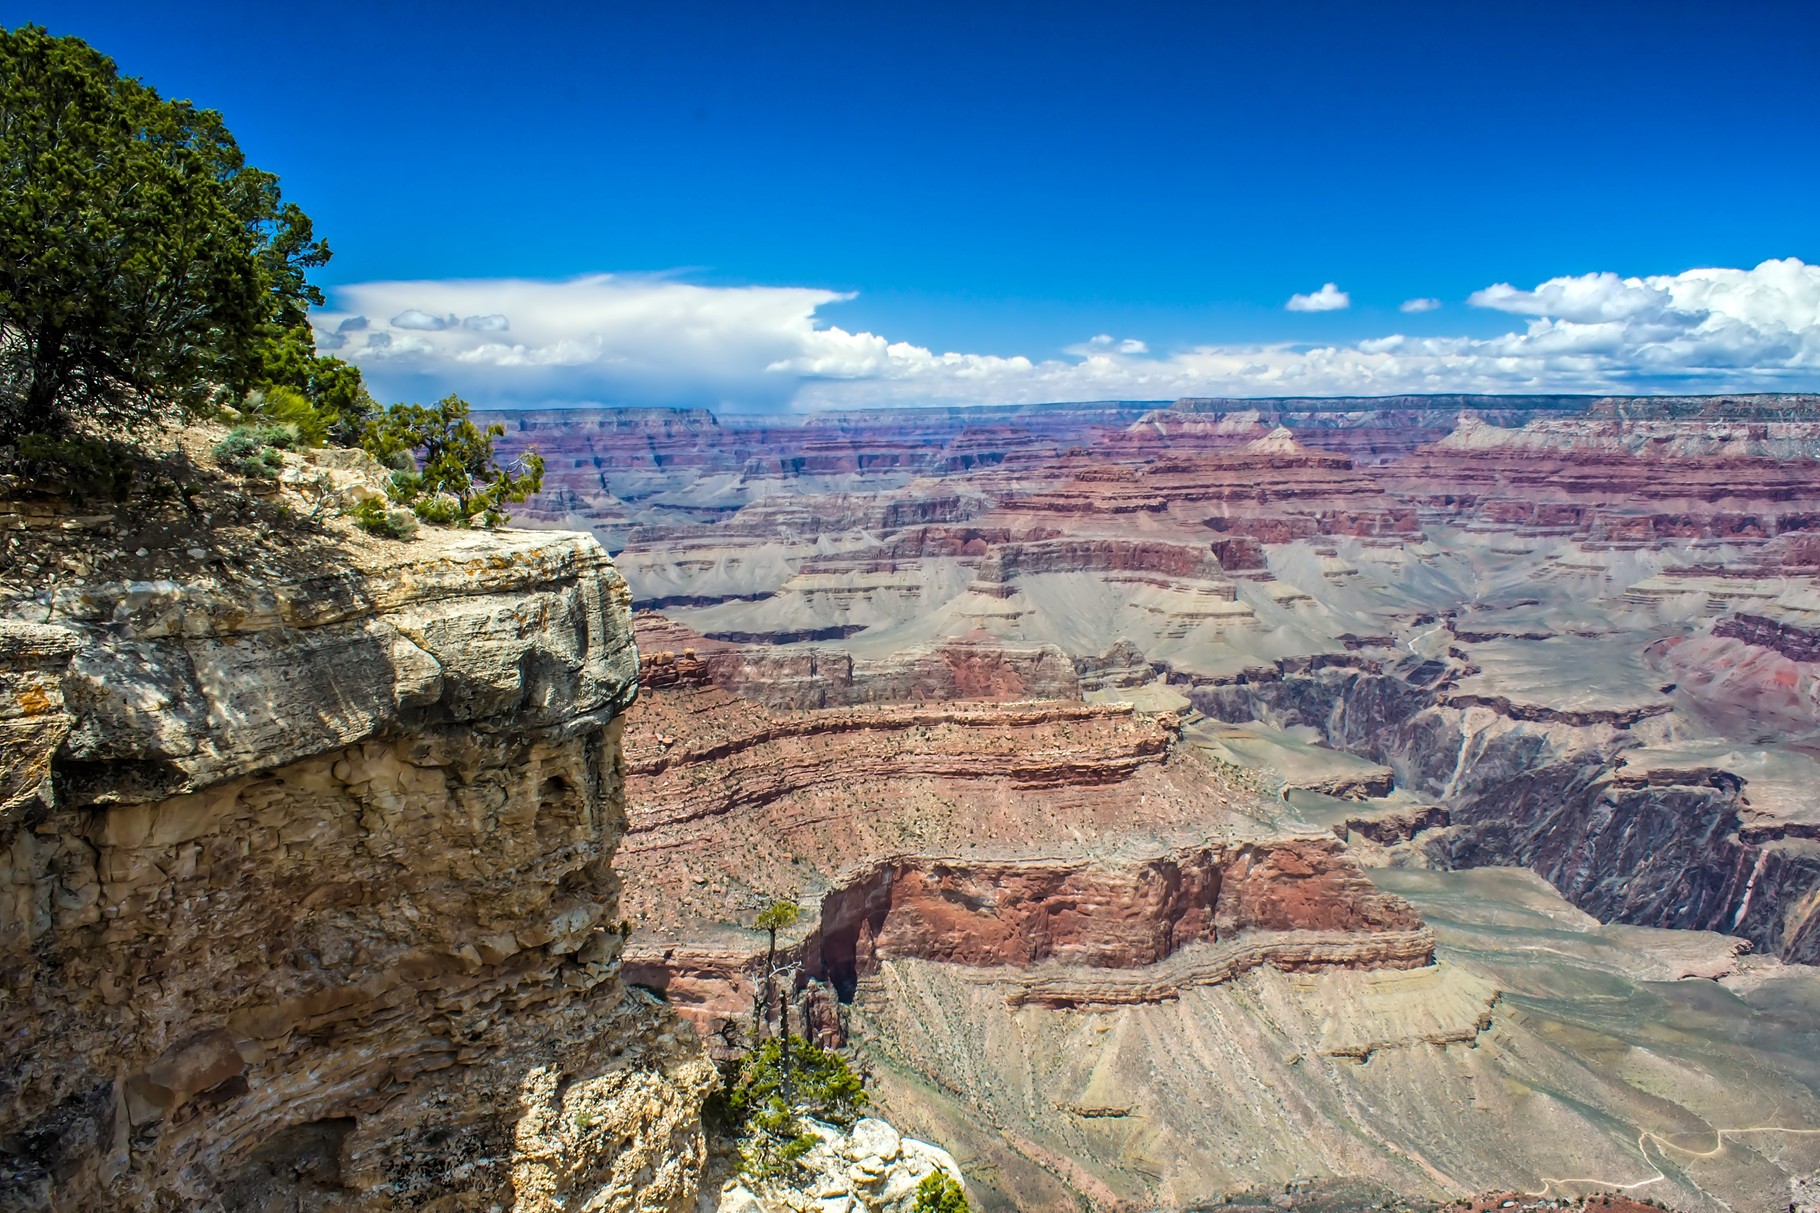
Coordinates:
<point>825,677</point>
<point>732,803</point>
<point>1101,914</point>
<point>969,833</point>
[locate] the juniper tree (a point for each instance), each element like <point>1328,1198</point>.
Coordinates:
<point>144,264</point>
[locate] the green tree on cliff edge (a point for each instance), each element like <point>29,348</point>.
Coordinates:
<point>772,919</point>
<point>143,263</point>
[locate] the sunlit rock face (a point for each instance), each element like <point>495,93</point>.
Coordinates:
<point>309,899</point>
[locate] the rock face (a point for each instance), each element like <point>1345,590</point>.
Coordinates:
<point>802,798</point>
<point>309,901</point>
<point>826,676</point>
<point>870,1168</point>
<point>1625,833</point>
<point>1107,915</point>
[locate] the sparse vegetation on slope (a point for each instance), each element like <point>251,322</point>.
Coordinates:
<point>767,1092</point>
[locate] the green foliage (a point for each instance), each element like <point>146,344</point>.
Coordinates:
<point>375,518</point>
<point>334,389</point>
<point>765,1093</point>
<point>777,916</point>
<point>774,1144</point>
<point>82,468</point>
<point>452,479</point>
<point>939,1193</point>
<point>253,450</point>
<point>286,406</point>
<point>142,261</point>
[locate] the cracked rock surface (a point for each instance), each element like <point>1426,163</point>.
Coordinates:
<point>306,894</point>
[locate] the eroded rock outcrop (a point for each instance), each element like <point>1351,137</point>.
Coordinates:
<point>308,898</point>
<point>1052,914</point>
<point>802,797</point>
<point>869,1168</point>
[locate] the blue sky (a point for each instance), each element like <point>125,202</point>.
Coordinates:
<point>1006,182</point>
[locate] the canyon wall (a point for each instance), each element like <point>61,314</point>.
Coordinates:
<point>1443,638</point>
<point>1295,903</point>
<point>1626,833</point>
<point>308,898</point>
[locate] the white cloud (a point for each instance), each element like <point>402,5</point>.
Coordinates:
<point>1329,298</point>
<point>1588,299</point>
<point>1419,305</point>
<point>636,340</point>
<point>420,321</point>
<point>1106,341</point>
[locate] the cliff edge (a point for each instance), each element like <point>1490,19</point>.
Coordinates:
<point>306,897</point>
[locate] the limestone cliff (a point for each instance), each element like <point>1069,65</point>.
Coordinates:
<point>305,892</point>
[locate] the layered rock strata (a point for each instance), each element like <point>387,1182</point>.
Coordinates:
<point>308,897</point>
<point>827,676</point>
<point>805,796</point>
<point>1628,482</point>
<point>1292,903</point>
<point>1569,792</point>
<point>1027,843</point>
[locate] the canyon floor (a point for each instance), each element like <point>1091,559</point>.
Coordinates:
<point>1391,799</point>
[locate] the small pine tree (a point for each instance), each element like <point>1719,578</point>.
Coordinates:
<point>765,1093</point>
<point>772,919</point>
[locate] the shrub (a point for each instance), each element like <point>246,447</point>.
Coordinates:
<point>446,470</point>
<point>376,518</point>
<point>764,1094</point>
<point>939,1193</point>
<point>278,405</point>
<point>79,467</point>
<point>250,451</point>
<point>438,509</point>
<point>333,389</point>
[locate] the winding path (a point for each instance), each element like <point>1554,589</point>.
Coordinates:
<point>1645,1136</point>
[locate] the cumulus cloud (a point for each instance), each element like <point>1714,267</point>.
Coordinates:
<point>603,339</point>
<point>421,321</point>
<point>639,340</point>
<point>1419,305</point>
<point>1588,299</point>
<point>1329,298</point>
<point>1129,345</point>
